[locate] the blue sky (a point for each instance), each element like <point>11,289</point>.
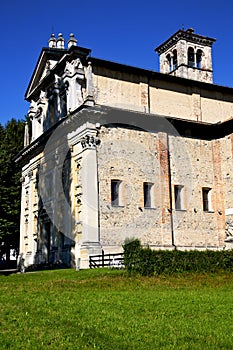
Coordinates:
<point>125,31</point>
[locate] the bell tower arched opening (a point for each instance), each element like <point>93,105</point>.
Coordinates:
<point>187,55</point>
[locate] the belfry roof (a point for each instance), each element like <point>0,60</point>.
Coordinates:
<point>187,35</point>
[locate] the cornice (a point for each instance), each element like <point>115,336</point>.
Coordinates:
<point>187,35</point>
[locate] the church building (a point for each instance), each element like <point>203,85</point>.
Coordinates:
<point>119,152</point>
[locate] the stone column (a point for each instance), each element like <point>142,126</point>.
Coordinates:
<point>171,65</point>
<point>195,58</point>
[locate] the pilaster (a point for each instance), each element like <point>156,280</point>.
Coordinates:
<point>196,106</point>
<point>218,191</point>
<point>74,80</point>
<point>166,210</point>
<point>86,195</point>
<point>89,99</point>
<point>144,96</point>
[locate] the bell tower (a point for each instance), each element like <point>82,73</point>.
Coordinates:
<point>187,55</point>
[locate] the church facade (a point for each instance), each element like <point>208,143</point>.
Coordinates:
<point>119,152</point>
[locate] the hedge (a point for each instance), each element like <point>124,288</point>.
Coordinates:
<point>147,262</point>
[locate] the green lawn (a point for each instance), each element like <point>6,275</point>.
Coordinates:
<point>105,309</point>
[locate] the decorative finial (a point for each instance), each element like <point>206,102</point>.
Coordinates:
<point>72,41</point>
<point>52,41</point>
<point>190,30</point>
<point>60,41</point>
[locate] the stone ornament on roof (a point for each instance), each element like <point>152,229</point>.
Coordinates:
<point>59,43</point>
<point>72,41</point>
<point>72,67</point>
<point>52,41</point>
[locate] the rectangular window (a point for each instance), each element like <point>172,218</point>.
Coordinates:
<point>206,198</point>
<point>148,195</point>
<point>179,194</point>
<point>116,197</point>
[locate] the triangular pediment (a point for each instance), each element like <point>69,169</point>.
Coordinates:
<point>47,60</point>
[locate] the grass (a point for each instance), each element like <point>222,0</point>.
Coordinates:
<point>106,309</point>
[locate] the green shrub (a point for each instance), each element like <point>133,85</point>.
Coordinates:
<point>147,262</point>
<point>132,248</point>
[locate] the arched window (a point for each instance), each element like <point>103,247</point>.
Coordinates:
<point>199,58</point>
<point>169,60</point>
<point>174,59</point>
<point>191,60</point>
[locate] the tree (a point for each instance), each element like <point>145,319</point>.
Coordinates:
<point>12,136</point>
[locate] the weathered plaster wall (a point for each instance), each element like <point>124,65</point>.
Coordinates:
<point>216,108</point>
<point>158,96</point>
<point>118,89</point>
<point>171,100</point>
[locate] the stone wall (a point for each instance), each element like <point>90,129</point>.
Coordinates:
<point>134,157</point>
<point>227,178</point>
<point>195,164</point>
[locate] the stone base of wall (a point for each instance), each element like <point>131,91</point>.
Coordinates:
<point>86,250</point>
